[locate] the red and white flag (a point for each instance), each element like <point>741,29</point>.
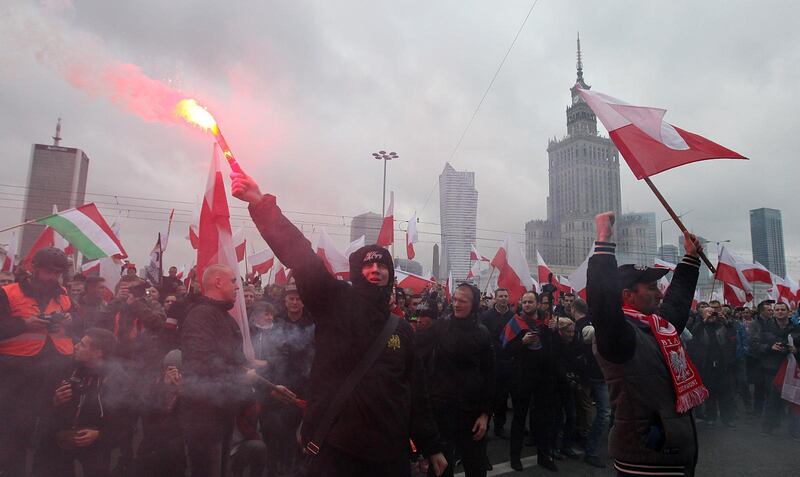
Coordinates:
<point>729,271</point>
<point>46,239</point>
<point>280,276</point>
<point>449,287</point>
<point>578,278</point>
<point>784,290</point>
<point>261,262</point>
<point>335,261</point>
<point>416,283</point>
<point>513,273</point>
<point>475,256</point>
<point>734,295</point>
<point>546,275</point>
<point>8,254</point>
<point>386,235</point>
<point>411,236</point>
<point>658,263</point>
<point>355,245</point>
<point>215,245</point>
<point>474,270</point>
<point>648,143</point>
<point>240,243</point>
<point>756,273</point>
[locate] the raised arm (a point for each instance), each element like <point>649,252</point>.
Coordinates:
<point>615,337</point>
<point>677,303</point>
<point>314,282</point>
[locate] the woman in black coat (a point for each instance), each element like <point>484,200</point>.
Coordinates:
<point>459,368</point>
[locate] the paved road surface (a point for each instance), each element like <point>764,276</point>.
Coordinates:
<point>739,452</point>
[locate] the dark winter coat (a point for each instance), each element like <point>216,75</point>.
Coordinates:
<point>495,322</point>
<point>390,404</point>
<point>769,334</point>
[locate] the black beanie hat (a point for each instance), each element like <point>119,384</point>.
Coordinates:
<point>366,255</point>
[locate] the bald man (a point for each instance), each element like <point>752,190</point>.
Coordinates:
<point>215,373</point>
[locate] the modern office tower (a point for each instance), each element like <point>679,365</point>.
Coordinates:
<point>766,236</point>
<point>57,176</point>
<point>367,224</point>
<point>458,204</point>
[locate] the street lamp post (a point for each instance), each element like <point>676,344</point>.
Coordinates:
<point>384,156</point>
<point>661,251</point>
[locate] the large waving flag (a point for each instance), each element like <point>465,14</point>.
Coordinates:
<point>46,239</point>
<point>546,275</point>
<point>261,262</point>
<point>335,261</point>
<point>415,282</point>
<point>756,273</point>
<point>475,256</point>
<point>578,278</point>
<point>514,327</point>
<point>86,229</point>
<point>386,235</point>
<point>513,273</point>
<point>648,143</point>
<point>215,244</point>
<point>412,236</point>
<point>729,271</point>
<point>240,243</point>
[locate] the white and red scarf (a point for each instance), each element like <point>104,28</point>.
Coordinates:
<point>689,389</point>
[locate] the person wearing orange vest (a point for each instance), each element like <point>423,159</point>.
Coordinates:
<point>34,351</point>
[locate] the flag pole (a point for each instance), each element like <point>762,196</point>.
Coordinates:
<point>677,220</point>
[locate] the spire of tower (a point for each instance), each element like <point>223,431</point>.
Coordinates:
<point>57,137</point>
<point>580,61</point>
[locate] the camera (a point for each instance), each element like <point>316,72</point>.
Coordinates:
<point>54,320</point>
<point>77,385</point>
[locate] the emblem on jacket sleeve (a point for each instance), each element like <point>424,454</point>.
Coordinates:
<point>394,342</point>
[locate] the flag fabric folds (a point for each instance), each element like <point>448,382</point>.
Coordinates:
<point>416,283</point>
<point>45,240</point>
<point>215,245</point>
<point>513,274</point>
<point>412,236</point>
<point>729,271</point>
<point>514,327</point>
<point>261,262</point>
<point>386,235</point>
<point>86,229</point>
<point>335,261</point>
<point>648,143</point>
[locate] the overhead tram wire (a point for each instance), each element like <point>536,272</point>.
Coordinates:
<point>485,93</point>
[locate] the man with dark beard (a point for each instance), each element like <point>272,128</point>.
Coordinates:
<point>388,405</point>
<point>34,351</point>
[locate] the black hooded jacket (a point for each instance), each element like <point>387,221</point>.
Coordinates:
<point>390,404</point>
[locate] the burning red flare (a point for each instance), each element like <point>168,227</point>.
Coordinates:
<point>194,113</point>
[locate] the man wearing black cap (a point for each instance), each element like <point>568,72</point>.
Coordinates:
<point>34,350</point>
<point>652,381</point>
<point>371,434</point>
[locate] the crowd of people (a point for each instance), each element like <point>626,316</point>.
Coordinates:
<point>360,378</point>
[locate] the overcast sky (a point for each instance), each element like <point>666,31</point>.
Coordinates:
<point>305,91</point>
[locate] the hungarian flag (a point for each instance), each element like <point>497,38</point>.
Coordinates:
<point>729,271</point>
<point>8,254</point>
<point>335,261</point>
<point>658,263</point>
<point>46,239</point>
<point>411,236</point>
<point>416,283</point>
<point>86,229</point>
<point>386,235</point>
<point>215,245</point>
<point>648,143</point>
<point>262,261</point>
<point>513,274</point>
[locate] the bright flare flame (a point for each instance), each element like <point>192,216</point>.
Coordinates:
<point>193,112</point>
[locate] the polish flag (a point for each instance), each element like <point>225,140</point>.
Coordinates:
<point>215,245</point>
<point>577,279</point>
<point>755,272</point>
<point>729,271</point>
<point>181,273</point>
<point>262,261</point>
<point>648,143</point>
<point>194,226</point>
<point>513,273</point>
<point>280,277</point>
<point>784,290</point>
<point>474,270</point>
<point>336,262</point>
<point>416,283</point>
<point>240,244</point>
<point>658,263</point>
<point>411,236</point>
<point>45,240</point>
<point>734,295</point>
<point>386,235</point>
<point>546,275</point>
<point>8,254</point>
<point>475,256</point>
<point>449,287</point>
